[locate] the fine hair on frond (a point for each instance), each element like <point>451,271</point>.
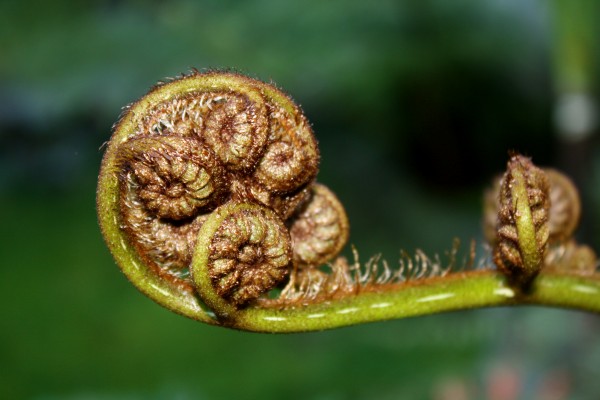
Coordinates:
<point>341,278</point>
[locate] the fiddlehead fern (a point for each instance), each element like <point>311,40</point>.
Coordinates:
<point>207,194</point>
<point>208,201</point>
<point>522,229</point>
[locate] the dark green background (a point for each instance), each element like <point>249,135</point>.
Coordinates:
<point>415,105</point>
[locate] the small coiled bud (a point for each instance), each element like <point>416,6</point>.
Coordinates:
<point>236,128</point>
<point>320,228</point>
<point>565,207</point>
<point>522,229</point>
<point>176,177</point>
<point>243,251</point>
<point>291,158</point>
<point>572,258</point>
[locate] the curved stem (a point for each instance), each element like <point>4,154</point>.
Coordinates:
<point>459,291</point>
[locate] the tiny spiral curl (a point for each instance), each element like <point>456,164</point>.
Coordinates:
<point>244,250</point>
<point>292,158</point>
<point>236,129</point>
<point>320,229</point>
<point>176,177</point>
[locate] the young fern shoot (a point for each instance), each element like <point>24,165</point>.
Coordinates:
<point>207,198</point>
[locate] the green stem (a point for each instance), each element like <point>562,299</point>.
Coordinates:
<point>567,291</point>
<point>526,232</point>
<point>460,291</point>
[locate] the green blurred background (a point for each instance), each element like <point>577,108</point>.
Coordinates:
<point>415,105</point>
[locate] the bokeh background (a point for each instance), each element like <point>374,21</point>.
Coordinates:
<point>415,104</point>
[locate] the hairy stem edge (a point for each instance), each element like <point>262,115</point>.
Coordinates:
<point>457,291</point>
